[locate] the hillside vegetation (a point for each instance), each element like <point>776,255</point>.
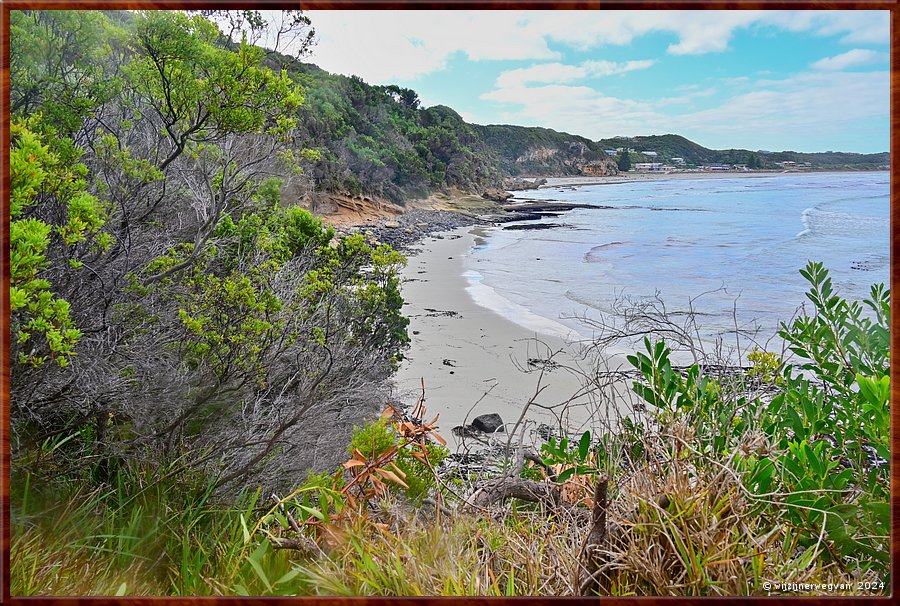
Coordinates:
<point>379,141</point>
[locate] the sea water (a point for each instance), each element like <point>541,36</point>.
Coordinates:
<point>726,249</point>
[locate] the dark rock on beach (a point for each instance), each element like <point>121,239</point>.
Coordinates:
<point>488,423</point>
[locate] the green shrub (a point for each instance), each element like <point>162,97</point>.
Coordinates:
<point>815,456</point>
<point>765,366</point>
<point>375,439</point>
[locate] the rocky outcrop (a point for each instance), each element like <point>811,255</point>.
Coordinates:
<point>409,228</point>
<point>520,184</point>
<point>600,168</point>
<point>544,152</point>
<point>497,195</point>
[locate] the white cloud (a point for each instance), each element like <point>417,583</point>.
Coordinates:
<point>559,72</point>
<point>687,97</point>
<point>384,46</point>
<point>610,68</point>
<point>544,72</point>
<point>852,58</point>
<point>794,108</point>
<point>854,27</point>
<point>777,114</point>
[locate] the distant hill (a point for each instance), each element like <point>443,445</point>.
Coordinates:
<point>675,146</point>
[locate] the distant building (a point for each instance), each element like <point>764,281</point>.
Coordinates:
<point>787,164</point>
<point>645,166</point>
<point>716,166</point>
<point>678,160</point>
<point>652,154</point>
<point>612,152</point>
<point>740,167</point>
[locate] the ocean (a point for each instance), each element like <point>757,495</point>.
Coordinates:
<point>729,249</point>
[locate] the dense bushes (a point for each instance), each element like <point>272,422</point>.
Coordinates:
<point>158,260</point>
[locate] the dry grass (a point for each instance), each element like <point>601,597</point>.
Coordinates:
<point>680,527</point>
<point>516,552</point>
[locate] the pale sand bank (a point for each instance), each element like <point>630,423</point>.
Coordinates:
<point>485,352</point>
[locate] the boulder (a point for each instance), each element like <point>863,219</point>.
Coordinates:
<point>488,423</point>
<point>497,195</point>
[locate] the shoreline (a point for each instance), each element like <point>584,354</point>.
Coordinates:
<point>443,211</point>
<point>472,360</point>
<point>642,177</point>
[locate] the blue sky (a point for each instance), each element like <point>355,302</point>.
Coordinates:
<point>776,80</point>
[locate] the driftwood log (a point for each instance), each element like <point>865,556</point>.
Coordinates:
<point>591,577</point>
<point>304,545</point>
<point>510,487</point>
<point>502,489</point>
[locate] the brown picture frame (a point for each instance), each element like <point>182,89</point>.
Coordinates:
<point>512,5</point>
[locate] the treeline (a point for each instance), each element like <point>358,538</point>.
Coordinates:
<point>676,146</point>
<point>377,140</point>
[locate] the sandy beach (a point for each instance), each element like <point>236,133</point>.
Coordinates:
<point>472,360</point>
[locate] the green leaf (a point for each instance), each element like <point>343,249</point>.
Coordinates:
<point>255,562</point>
<point>312,511</point>
<point>288,576</point>
<point>584,445</point>
<point>244,528</point>
<point>813,460</point>
<point>282,520</point>
<point>566,474</point>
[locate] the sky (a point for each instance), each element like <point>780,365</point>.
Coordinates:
<point>772,80</point>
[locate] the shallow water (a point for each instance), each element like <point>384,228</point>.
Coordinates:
<point>740,241</point>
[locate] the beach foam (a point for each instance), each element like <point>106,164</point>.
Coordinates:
<point>487,297</point>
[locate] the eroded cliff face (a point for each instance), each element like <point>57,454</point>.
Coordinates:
<point>570,158</point>
<point>537,154</point>
<point>600,168</point>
